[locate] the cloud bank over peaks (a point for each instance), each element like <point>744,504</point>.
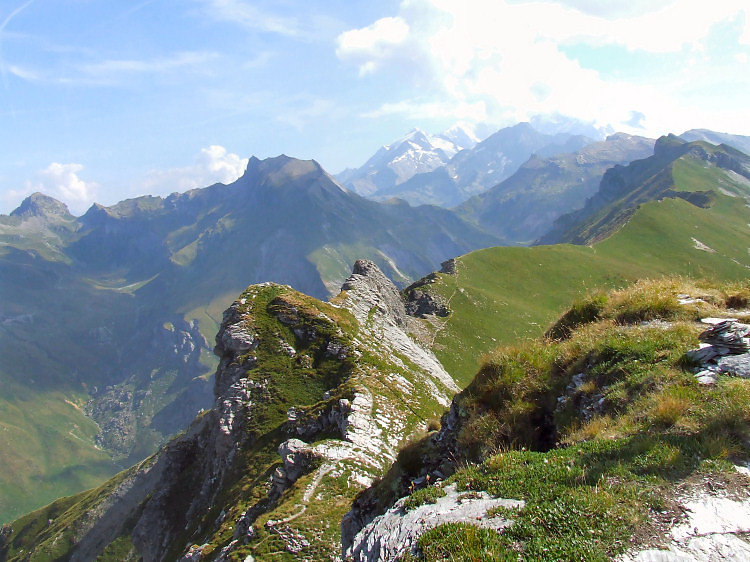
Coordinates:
<point>213,164</point>
<point>61,181</point>
<point>506,60</point>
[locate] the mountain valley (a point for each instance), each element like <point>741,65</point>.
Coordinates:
<point>112,313</point>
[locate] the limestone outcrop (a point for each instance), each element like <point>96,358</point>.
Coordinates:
<point>311,403</point>
<point>396,532</point>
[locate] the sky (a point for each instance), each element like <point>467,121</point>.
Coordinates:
<point>102,100</point>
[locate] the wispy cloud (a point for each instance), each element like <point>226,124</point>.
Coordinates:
<point>252,17</point>
<point>23,73</point>
<point>13,14</point>
<point>303,22</point>
<point>3,26</point>
<point>115,72</point>
<point>148,66</point>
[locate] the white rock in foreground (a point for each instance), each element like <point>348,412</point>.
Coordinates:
<point>711,532</point>
<point>397,530</point>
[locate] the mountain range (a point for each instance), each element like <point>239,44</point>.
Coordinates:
<point>91,303</point>
<point>297,456</point>
<point>416,153</point>
<point>521,208</point>
<point>740,142</point>
<point>449,181</point>
<point>107,318</point>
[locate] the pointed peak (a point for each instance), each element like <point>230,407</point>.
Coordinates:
<point>366,267</point>
<point>416,134</point>
<point>287,172</point>
<point>40,205</point>
<point>462,134</point>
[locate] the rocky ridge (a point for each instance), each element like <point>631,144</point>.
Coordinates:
<point>312,401</point>
<point>113,278</point>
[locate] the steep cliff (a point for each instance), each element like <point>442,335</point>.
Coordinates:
<point>312,401</point>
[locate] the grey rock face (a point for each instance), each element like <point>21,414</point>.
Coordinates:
<point>396,532</point>
<point>738,365</point>
<point>377,290</point>
<point>728,334</point>
<point>421,304</point>
<point>724,350</point>
<point>297,457</point>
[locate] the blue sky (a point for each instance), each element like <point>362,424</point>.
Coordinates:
<point>105,99</point>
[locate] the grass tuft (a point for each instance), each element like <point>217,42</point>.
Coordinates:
<point>430,494</point>
<point>582,312</point>
<point>593,428</point>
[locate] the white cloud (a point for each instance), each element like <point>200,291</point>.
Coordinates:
<point>372,43</point>
<point>219,165</point>
<point>62,182</point>
<point>213,164</point>
<point>614,9</point>
<point>509,58</point>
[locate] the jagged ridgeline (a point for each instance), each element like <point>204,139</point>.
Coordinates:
<point>312,402</point>
<point>347,373</point>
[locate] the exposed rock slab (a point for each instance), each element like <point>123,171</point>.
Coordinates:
<point>725,349</point>
<point>713,530</point>
<point>376,303</point>
<point>396,531</point>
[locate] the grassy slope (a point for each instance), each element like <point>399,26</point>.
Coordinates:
<point>499,295</point>
<point>604,489</point>
<point>46,448</point>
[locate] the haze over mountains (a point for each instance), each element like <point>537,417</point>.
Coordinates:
<point>398,170</point>
<point>90,304</point>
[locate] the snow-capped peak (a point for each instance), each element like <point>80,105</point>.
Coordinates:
<point>462,135</point>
